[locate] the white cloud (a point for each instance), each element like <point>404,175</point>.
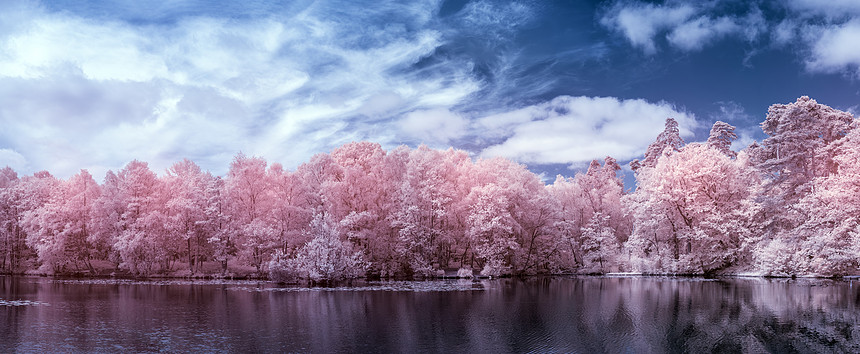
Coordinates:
<point>784,32</point>
<point>828,8</point>
<point>688,27</point>
<point>495,21</point>
<point>640,22</point>
<point>46,43</point>
<point>834,48</point>
<point>695,34</point>
<point>435,126</point>
<point>13,159</point>
<point>573,130</point>
<point>381,104</point>
<point>824,33</point>
<point>80,92</point>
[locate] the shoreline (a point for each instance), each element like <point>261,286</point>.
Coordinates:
<point>231,278</point>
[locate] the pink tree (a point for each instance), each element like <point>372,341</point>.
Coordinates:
<point>326,257</point>
<point>523,229</point>
<point>592,198</point>
<point>536,214</point>
<point>599,244</point>
<point>11,234</point>
<point>106,220</point>
<point>350,194</point>
<point>386,258</point>
<point>30,194</point>
<point>59,229</point>
<point>721,138</point>
<point>250,199</point>
<point>357,199</point>
<point>426,220</point>
<point>668,141</point>
<point>796,151</point>
<point>566,193</point>
<point>217,222</point>
<point>291,210</point>
<point>797,156</point>
<point>144,245</point>
<point>692,211</point>
<point>315,175</point>
<point>491,229</point>
<point>8,177</point>
<point>364,200</point>
<point>827,242</point>
<point>185,184</point>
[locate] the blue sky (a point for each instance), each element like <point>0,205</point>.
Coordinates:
<point>549,84</point>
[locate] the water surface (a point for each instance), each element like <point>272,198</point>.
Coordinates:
<point>551,314</point>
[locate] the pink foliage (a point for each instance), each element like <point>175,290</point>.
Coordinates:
<point>59,230</point>
<point>186,187</point>
<point>690,211</point>
<point>785,206</point>
<point>142,243</point>
<point>593,198</point>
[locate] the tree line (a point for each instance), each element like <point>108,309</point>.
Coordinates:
<point>787,205</point>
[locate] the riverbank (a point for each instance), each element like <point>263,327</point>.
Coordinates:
<point>179,270</point>
<point>241,273</point>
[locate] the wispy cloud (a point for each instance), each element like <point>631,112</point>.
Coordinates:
<point>832,9</point>
<point>84,92</point>
<point>699,32</point>
<point>94,85</point>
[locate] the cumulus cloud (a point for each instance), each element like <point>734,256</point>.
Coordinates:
<point>435,126</point>
<point>641,22</point>
<point>834,49</point>
<point>573,130</point>
<point>823,33</point>
<point>687,27</point>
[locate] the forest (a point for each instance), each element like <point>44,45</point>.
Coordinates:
<point>787,205</point>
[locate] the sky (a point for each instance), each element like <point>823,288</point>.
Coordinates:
<point>549,84</point>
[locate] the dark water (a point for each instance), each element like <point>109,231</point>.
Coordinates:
<point>585,315</point>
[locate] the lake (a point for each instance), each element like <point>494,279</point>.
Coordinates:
<point>541,314</point>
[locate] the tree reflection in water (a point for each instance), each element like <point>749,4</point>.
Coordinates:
<point>546,314</point>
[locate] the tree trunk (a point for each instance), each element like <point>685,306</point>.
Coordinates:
<point>190,261</point>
